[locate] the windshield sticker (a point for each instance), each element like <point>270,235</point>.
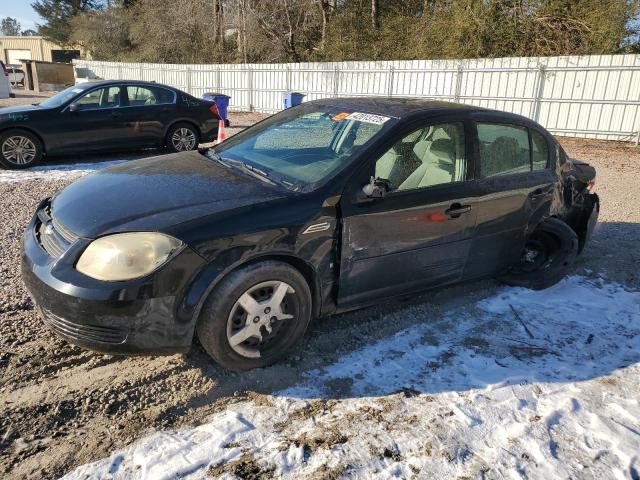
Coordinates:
<point>340,116</point>
<point>367,118</point>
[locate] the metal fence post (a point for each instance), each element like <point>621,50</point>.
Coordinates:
<point>458,88</point>
<point>218,80</point>
<point>141,73</point>
<point>390,81</point>
<point>120,72</point>
<point>537,102</point>
<point>336,80</point>
<point>250,85</point>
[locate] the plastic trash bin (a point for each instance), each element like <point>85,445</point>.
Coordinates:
<point>222,102</point>
<point>292,99</point>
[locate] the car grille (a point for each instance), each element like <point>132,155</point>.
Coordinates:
<point>89,333</point>
<point>53,237</point>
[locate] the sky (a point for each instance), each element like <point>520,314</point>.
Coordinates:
<point>20,10</point>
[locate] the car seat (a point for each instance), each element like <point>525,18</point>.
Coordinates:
<point>437,167</point>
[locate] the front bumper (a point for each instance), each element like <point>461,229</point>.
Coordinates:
<point>133,317</point>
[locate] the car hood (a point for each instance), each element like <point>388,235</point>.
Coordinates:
<point>156,194</point>
<point>19,109</point>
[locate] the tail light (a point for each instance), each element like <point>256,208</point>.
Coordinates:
<point>4,69</point>
<point>214,110</point>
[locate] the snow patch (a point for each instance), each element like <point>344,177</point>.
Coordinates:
<point>55,172</point>
<point>467,394</point>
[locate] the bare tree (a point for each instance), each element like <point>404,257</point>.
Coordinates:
<point>374,14</point>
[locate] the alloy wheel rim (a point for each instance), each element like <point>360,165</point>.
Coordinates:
<point>257,317</point>
<point>19,150</point>
<point>183,139</point>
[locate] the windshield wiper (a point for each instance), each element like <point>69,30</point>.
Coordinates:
<point>250,169</point>
<point>213,155</point>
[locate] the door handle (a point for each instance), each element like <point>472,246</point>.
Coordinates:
<point>540,192</point>
<point>115,115</point>
<point>455,210</point>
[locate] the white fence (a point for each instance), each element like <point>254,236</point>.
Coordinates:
<point>596,96</point>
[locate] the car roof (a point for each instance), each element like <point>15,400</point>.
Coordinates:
<point>98,83</point>
<point>400,107</point>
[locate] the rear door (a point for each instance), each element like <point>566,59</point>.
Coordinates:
<point>147,114</point>
<point>515,185</point>
<point>419,234</point>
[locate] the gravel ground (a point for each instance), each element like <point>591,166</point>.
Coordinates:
<point>61,406</point>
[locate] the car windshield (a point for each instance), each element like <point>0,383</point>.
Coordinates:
<point>303,147</point>
<point>62,97</point>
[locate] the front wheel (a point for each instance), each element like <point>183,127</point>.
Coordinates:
<point>182,137</point>
<point>255,316</point>
<point>19,149</point>
<point>548,255</point>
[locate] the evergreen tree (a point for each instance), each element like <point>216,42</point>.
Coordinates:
<point>57,15</point>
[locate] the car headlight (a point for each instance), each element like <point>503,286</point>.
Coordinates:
<point>124,256</point>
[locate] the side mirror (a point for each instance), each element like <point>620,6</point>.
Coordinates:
<point>376,188</point>
<point>73,107</point>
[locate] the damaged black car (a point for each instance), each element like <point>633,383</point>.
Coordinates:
<point>326,207</point>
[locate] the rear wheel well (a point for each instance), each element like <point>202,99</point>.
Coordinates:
<point>32,132</point>
<point>188,122</point>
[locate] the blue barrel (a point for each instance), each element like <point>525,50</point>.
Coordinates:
<point>292,99</point>
<point>222,102</point>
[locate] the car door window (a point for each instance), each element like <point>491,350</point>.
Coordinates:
<point>539,151</point>
<point>504,149</point>
<point>98,99</point>
<point>142,96</point>
<point>429,156</point>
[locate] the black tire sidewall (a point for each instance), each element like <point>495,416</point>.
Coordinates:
<point>24,133</point>
<point>169,145</point>
<point>559,266</point>
<point>211,326</point>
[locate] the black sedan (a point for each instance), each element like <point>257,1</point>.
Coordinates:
<point>105,115</point>
<point>329,206</point>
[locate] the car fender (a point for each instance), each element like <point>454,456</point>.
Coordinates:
<point>213,273</point>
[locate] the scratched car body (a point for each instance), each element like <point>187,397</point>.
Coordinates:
<point>329,206</point>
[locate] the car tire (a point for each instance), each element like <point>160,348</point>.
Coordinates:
<point>182,137</point>
<point>549,253</point>
<point>19,149</point>
<point>228,312</point>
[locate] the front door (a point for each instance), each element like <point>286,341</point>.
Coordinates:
<point>93,122</point>
<point>419,234</point>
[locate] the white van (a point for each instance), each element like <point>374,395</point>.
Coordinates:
<point>5,84</point>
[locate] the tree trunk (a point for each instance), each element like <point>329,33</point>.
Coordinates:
<point>325,10</point>
<point>374,14</point>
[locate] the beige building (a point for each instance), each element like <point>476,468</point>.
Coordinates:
<point>15,49</point>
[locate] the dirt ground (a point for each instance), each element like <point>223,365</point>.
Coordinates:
<point>61,406</point>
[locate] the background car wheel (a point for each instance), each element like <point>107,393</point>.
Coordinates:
<point>549,253</point>
<point>255,316</point>
<point>19,149</point>
<point>182,137</point>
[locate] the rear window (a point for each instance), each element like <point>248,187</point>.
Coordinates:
<point>140,96</point>
<point>504,149</point>
<point>539,152</point>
